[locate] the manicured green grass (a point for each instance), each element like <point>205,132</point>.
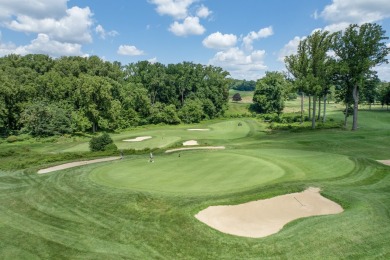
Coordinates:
<point>132,209</point>
<point>219,172</point>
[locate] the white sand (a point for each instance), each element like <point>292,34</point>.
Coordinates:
<point>196,148</point>
<point>190,143</point>
<point>266,217</point>
<point>198,129</point>
<point>75,164</point>
<point>386,162</point>
<point>138,139</point>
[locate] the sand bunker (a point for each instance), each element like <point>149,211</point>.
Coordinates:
<point>138,139</point>
<point>386,162</point>
<point>196,148</point>
<point>198,129</point>
<point>266,217</point>
<point>75,164</point>
<point>190,142</point>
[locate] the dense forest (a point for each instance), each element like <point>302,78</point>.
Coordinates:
<point>44,96</point>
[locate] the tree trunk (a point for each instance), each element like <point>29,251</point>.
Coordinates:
<point>355,94</point>
<point>313,119</point>
<point>346,115</point>
<point>319,109</point>
<point>309,107</point>
<point>324,116</point>
<point>302,97</point>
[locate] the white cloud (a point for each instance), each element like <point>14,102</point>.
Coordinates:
<point>239,64</point>
<point>73,27</point>
<point>262,33</point>
<point>189,26</point>
<point>203,12</point>
<point>290,48</point>
<point>356,11</point>
<point>129,50</point>
<point>103,33</point>
<point>38,9</point>
<point>178,9</point>
<point>220,41</point>
<point>153,60</point>
<point>43,44</point>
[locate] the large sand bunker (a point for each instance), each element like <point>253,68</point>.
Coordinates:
<point>266,217</point>
<point>137,139</point>
<point>75,164</point>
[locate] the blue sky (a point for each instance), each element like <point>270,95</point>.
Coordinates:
<point>245,37</point>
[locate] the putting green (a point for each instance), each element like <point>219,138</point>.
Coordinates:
<point>200,172</point>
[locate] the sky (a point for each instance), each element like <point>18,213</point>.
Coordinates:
<point>244,37</point>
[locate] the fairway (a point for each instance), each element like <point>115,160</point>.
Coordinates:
<point>214,172</point>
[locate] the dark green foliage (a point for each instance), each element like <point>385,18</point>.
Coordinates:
<point>236,97</point>
<point>41,95</point>
<point>42,119</point>
<point>243,85</point>
<point>191,112</point>
<point>100,143</point>
<point>269,93</point>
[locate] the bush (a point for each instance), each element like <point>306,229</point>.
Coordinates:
<point>99,143</point>
<point>12,139</point>
<point>111,147</point>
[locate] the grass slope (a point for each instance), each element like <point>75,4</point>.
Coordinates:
<point>78,214</point>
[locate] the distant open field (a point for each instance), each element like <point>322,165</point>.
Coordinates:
<point>135,209</point>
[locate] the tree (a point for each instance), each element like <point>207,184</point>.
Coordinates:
<point>360,48</point>
<point>236,97</point>
<point>269,94</point>
<point>298,66</point>
<point>43,119</point>
<point>101,143</point>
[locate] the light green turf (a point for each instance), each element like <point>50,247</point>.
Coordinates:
<point>213,172</point>
<point>165,137</point>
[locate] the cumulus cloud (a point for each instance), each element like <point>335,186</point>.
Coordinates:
<point>220,41</point>
<point>189,26</point>
<point>43,44</point>
<point>153,60</point>
<point>103,33</point>
<point>241,65</point>
<point>73,27</point>
<point>262,33</point>
<point>178,9</point>
<point>203,12</point>
<point>356,11</point>
<point>38,9</point>
<point>290,48</point>
<point>129,50</point>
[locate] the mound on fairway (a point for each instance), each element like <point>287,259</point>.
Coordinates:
<point>266,217</point>
<point>195,148</point>
<point>219,171</point>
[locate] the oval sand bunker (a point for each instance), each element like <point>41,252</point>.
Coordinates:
<point>138,139</point>
<point>266,217</point>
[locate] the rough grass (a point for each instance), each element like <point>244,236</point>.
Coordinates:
<point>69,214</point>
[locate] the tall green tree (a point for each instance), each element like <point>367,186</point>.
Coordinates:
<point>298,66</point>
<point>269,94</point>
<point>360,48</point>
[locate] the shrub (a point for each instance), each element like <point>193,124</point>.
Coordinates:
<point>111,147</point>
<point>99,143</point>
<point>12,139</point>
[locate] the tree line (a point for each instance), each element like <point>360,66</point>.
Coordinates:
<point>344,60</point>
<point>43,96</point>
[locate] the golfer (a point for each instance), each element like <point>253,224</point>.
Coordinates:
<point>151,158</point>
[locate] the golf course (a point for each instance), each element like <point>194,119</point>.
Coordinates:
<point>132,208</point>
